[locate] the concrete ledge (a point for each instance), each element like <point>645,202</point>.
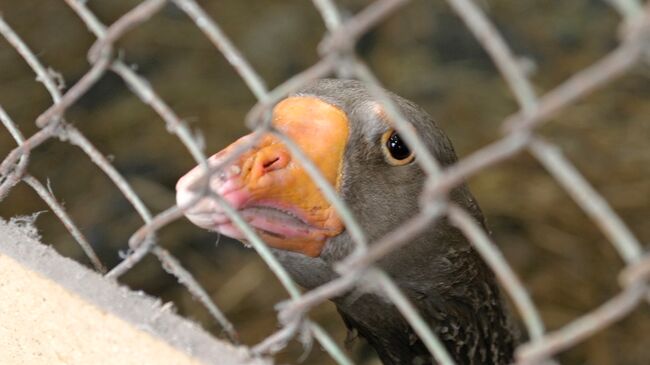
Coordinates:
<point>55,311</point>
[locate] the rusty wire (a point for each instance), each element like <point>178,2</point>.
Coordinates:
<point>338,57</point>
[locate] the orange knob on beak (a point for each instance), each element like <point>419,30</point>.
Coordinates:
<point>270,188</point>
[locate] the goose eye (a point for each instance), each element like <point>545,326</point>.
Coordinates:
<point>395,150</point>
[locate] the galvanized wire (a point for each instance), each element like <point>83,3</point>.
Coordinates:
<point>338,56</point>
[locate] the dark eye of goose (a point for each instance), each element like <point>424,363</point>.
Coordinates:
<point>395,150</point>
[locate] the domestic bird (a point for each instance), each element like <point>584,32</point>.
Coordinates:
<point>349,137</point>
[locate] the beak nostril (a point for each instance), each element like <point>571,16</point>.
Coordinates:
<point>270,163</point>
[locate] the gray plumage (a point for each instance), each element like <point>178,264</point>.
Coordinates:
<point>439,271</point>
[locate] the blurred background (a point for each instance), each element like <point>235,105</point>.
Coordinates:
<point>422,52</point>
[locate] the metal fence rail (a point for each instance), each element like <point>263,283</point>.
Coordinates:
<point>338,57</point>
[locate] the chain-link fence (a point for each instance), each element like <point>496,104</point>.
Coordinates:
<point>338,58</point>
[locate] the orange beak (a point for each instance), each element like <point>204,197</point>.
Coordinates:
<point>269,187</point>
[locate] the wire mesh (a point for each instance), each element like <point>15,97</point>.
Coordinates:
<point>338,57</point>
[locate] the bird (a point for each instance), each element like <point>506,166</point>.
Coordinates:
<point>350,138</point>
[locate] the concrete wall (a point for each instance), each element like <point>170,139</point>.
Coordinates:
<point>55,311</point>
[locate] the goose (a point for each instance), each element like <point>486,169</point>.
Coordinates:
<point>349,137</point>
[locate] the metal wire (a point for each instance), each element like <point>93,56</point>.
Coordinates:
<point>337,55</point>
